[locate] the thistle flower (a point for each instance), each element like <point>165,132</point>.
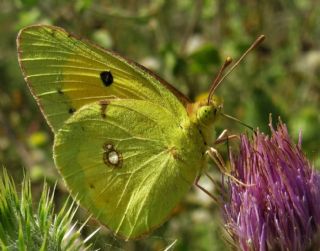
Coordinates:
<point>279,209</point>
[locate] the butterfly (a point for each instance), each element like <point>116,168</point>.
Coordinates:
<point>128,145</point>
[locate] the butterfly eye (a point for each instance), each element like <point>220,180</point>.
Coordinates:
<point>106,78</point>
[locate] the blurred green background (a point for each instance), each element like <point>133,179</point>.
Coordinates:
<point>185,42</point>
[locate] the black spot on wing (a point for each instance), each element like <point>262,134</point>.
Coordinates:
<point>106,77</point>
<point>71,110</point>
<point>103,105</point>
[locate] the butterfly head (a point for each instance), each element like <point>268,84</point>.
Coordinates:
<point>207,114</point>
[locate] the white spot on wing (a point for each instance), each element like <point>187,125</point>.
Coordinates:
<point>113,157</point>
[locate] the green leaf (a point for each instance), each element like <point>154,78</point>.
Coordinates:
<point>29,3</point>
<point>204,58</point>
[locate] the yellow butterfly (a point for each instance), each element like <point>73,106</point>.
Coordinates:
<point>127,144</point>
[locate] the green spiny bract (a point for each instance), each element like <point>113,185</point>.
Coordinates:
<point>22,228</point>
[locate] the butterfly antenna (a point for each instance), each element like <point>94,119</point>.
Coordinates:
<point>216,81</point>
<point>237,120</point>
<point>220,78</point>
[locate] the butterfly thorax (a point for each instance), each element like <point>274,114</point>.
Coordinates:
<point>204,116</point>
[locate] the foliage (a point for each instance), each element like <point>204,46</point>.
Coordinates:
<point>184,41</point>
<point>23,228</point>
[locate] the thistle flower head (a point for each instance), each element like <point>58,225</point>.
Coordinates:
<point>280,209</point>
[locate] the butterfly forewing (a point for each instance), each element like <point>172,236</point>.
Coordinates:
<point>64,73</point>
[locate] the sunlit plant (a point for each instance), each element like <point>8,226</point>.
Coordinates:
<point>23,228</point>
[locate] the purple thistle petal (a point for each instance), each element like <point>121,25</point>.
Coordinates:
<point>280,207</point>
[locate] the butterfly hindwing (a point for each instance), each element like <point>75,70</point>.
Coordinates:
<point>64,73</point>
<point>128,165</point>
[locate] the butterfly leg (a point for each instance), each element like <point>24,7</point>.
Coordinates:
<point>218,160</point>
<point>224,136</point>
<point>205,190</point>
